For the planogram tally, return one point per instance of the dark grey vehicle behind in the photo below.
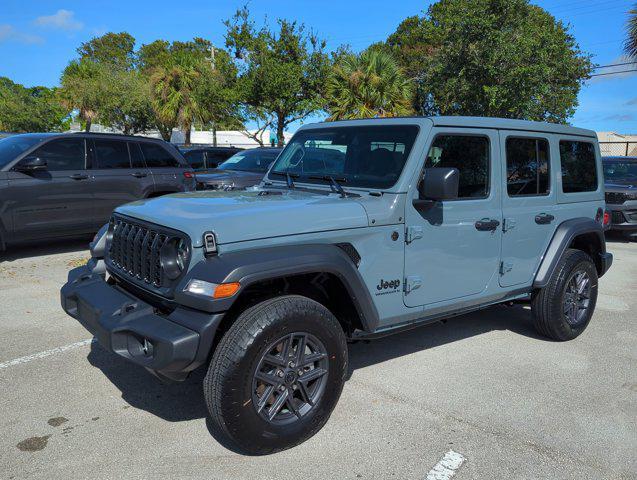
(620, 181)
(64, 185)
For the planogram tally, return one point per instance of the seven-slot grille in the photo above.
(617, 198)
(135, 250)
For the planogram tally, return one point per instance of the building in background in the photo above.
(617, 144)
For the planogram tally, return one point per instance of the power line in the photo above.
(614, 65)
(613, 73)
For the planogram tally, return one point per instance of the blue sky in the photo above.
(38, 38)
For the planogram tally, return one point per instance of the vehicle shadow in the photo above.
(49, 247)
(618, 237)
(176, 402)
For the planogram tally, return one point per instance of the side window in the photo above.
(156, 156)
(63, 154)
(136, 158)
(579, 169)
(527, 166)
(470, 155)
(111, 154)
(195, 159)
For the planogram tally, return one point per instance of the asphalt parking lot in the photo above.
(507, 403)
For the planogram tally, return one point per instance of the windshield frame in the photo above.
(37, 140)
(276, 177)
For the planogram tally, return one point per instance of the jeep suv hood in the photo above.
(249, 215)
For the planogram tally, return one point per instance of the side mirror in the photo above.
(31, 164)
(436, 185)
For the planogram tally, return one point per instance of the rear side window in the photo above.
(196, 158)
(137, 160)
(111, 154)
(157, 156)
(470, 155)
(527, 166)
(579, 169)
(63, 154)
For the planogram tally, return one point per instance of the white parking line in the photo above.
(46, 353)
(447, 467)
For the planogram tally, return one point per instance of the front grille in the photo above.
(135, 251)
(618, 217)
(616, 198)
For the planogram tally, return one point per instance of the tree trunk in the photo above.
(214, 134)
(279, 130)
(187, 136)
(87, 127)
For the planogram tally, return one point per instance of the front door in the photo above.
(453, 248)
(528, 204)
(56, 201)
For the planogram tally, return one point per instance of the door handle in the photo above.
(139, 175)
(544, 219)
(487, 224)
(78, 176)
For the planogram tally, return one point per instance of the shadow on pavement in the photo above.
(177, 402)
(47, 247)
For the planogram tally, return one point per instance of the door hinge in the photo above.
(413, 232)
(505, 267)
(508, 224)
(412, 282)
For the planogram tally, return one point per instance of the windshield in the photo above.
(250, 161)
(11, 147)
(367, 157)
(620, 171)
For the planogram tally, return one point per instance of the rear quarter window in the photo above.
(157, 156)
(579, 168)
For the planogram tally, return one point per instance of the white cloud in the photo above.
(9, 34)
(62, 20)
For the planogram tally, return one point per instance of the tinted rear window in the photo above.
(579, 170)
(195, 158)
(111, 154)
(527, 166)
(157, 156)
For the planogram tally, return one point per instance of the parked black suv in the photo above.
(206, 157)
(620, 177)
(61, 185)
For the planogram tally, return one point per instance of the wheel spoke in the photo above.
(264, 397)
(290, 403)
(285, 352)
(268, 378)
(312, 375)
(304, 393)
(309, 360)
(300, 350)
(274, 360)
(278, 404)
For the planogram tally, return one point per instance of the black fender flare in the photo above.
(255, 265)
(564, 235)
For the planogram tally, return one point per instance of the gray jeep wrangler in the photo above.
(359, 229)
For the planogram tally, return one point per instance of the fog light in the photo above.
(214, 290)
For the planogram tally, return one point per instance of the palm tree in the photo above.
(82, 89)
(630, 46)
(368, 85)
(173, 95)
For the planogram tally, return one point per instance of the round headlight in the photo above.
(174, 257)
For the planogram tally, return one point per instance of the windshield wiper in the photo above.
(288, 177)
(335, 186)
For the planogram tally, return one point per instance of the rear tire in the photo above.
(564, 307)
(259, 399)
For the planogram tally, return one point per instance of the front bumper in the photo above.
(623, 216)
(169, 346)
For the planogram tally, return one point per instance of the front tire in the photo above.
(276, 375)
(564, 307)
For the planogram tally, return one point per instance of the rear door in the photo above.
(528, 204)
(116, 178)
(167, 172)
(57, 201)
(453, 249)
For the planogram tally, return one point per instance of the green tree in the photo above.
(126, 105)
(82, 89)
(35, 109)
(368, 85)
(281, 73)
(630, 46)
(114, 49)
(504, 58)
